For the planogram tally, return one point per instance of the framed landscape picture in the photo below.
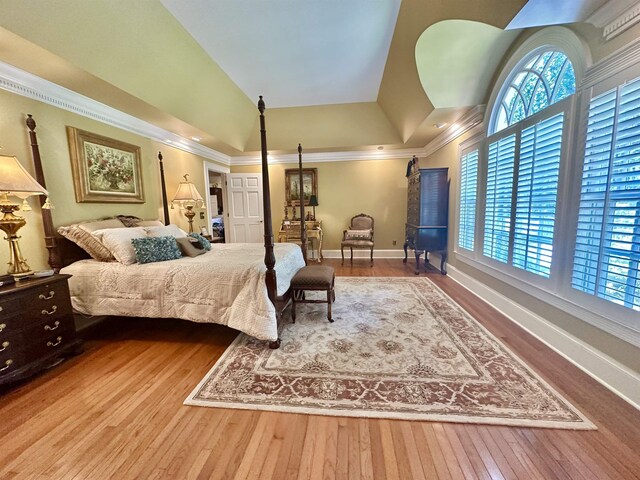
(292, 184)
(104, 170)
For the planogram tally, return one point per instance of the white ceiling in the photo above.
(554, 12)
(295, 52)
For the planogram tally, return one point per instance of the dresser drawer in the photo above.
(32, 304)
(48, 300)
(36, 326)
(11, 342)
(11, 361)
(11, 306)
(51, 325)
(9, 324)
(51, 343)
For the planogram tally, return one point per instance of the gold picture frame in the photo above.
(292, 185)
(104, 170)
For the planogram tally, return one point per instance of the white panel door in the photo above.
(245, 220)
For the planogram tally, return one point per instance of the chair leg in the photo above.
(351, 248)
(342, 253)
(293, 306)
(372, 256)
(329, 295)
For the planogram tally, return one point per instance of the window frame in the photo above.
(565, 106)
(474, 144)
(611, 72)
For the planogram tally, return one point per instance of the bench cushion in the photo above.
(319, 276)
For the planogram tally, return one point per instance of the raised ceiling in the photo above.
(195, 67)
(295, 52)
(456, 60)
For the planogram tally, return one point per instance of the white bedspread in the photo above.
(225, 285)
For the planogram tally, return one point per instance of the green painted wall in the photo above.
(54, 151)
(375, 187)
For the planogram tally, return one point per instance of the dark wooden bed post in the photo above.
(165, 204)
(303, 224)
(269, 256)
(55, 261)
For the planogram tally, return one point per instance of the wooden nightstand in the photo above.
(36, 326)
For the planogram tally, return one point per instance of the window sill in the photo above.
(604, 317)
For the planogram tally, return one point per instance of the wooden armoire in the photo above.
(427, 214)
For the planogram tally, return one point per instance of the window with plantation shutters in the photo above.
(497, 219)
(468, 196)
(536, 195)
(607, 252)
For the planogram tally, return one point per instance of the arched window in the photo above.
(542, 79)
(520, 164)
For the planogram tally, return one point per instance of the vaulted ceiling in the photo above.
(336, 74)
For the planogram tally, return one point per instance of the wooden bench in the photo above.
(313, 278)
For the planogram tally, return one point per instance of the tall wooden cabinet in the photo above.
(427, 214)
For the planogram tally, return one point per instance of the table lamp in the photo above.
(187, 197)
(16, 185)
(313, 201)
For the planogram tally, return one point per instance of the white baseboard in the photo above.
(362, 253)
(621, 380)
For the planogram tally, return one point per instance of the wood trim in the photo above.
(50, 237)
(303, 223)
(165, 203)
(269, 256)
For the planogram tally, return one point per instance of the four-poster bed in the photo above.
(161, 298)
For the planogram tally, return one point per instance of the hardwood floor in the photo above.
(116, 412)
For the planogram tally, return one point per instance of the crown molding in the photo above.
(616, 16)
(322, 157)
(466, 122)
(627, 56)
(31, 86)
(28, 85)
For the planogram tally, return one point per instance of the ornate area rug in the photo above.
(399, 348)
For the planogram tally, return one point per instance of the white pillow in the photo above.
(166, 231)
(94, 225)
(118, 241)
(149, 223)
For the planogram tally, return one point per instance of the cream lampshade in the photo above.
(16, 185)
(188, 197)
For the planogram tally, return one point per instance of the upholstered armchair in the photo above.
(358, 235)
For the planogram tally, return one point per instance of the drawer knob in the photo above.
(7, 364)
(1, 308)
(56, 324)
(2, 326)
(50, 312)
(42, 296)
(4, 346)
(54, 344)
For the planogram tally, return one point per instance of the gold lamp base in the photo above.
(10, 224)
(189, 213)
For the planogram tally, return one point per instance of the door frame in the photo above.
(222, 170)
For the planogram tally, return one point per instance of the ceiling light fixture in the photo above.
(196, 139)
(380, 147)
(440, 125)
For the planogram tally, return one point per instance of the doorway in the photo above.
(216, 208)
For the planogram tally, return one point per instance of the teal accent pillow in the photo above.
(206, 244)
(156, 249)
